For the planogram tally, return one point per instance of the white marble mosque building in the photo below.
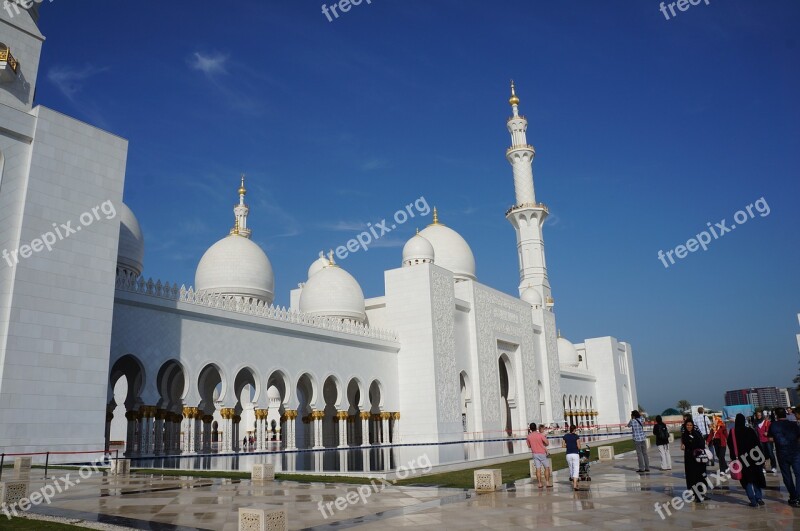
(93, 352)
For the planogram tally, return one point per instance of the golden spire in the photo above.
(242, 189)
(514, 100)
(435, 216)
(559, 332)
(330, 258)
(235, 229)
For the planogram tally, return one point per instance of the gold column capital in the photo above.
(341, 415)
(385, 415)
(290, 414)
(396, 415)
(364, 415)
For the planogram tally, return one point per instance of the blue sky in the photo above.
(645, 130)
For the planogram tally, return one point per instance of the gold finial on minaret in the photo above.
(514, 100)
(330, 258)
(242, 189)
(559, 332)
(235, 229)
(435, 216)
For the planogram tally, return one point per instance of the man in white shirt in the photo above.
(703, 424)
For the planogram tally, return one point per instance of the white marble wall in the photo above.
(58, 315)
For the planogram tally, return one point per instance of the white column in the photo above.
(342, 416)
(316, 419)
(201, 430)
(158, 432)
(364, 429)
(385, 428)
(396, 431)
(291, 416)
(130, 440)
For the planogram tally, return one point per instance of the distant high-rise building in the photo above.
(760, 397)
(739, 397)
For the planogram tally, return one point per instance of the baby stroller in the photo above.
(585, 454)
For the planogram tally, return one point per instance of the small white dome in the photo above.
(333, 292)
(236, 266)
(418, 250)
(451, 251)
(273, 393)
(130, 252)
(318, 265)
(567, 354)
(532, 296)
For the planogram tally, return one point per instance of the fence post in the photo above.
(46, 464)
(2, 460)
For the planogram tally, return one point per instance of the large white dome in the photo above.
(567, 354)
(130, 252)
(236, 266)
(451, 250)
(333, 292)
(418, 250)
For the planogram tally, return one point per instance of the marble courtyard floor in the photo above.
(617, 498)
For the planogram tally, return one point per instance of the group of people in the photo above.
(749, 447)
(539, 445)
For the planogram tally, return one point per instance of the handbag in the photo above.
(701, 456)
(735, 474)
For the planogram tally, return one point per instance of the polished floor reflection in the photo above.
(617, 498)
(358, 460)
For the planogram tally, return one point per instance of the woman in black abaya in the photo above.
(692, 444)
(747, 455)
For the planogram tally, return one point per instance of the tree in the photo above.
(684, 405)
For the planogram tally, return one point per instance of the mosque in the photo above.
(93, 353)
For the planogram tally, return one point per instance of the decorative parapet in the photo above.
(526, 147)
(127, 283)
(537, 206)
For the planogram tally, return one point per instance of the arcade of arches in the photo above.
(326, 416)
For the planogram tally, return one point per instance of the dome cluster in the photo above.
(237, 267)
(441, 245)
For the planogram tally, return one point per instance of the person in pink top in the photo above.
(537, 442)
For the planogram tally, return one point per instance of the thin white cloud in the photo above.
(70, 80)
(343, 226)
(210, 64)
(373, 164)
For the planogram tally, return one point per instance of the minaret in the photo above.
(526, 215)
(240, 211)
